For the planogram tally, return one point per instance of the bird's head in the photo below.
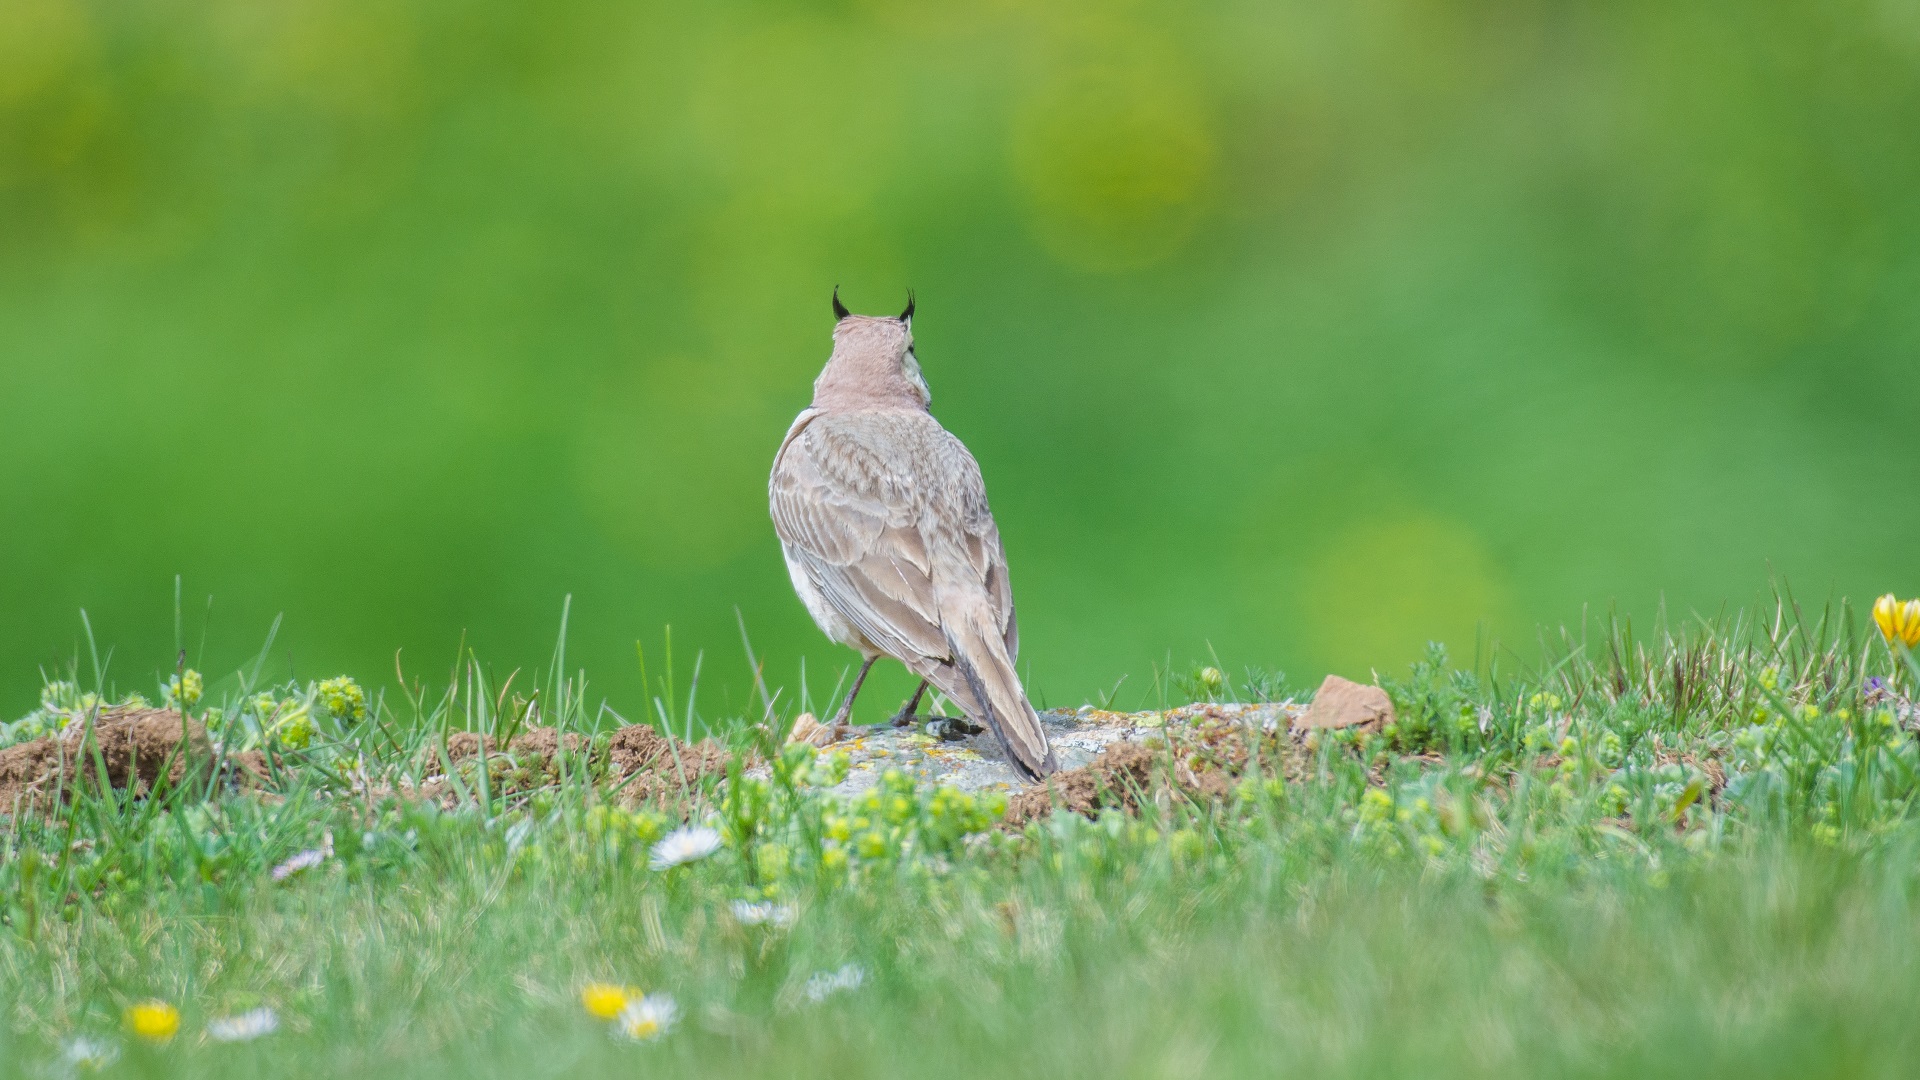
(872, 365)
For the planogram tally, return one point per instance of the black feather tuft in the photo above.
(839, 309)
(907, 315)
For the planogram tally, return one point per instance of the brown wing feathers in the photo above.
(887, 513)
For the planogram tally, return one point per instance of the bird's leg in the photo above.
(846, 707)
(905, 715)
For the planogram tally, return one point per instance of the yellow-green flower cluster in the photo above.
(1375, 821)
(62, 705)
(952, 814)
(1424, 819)
(602, 834)
(1252, 790)
(802, 766)
(1186, 846)
(644, 826)
(343, 698)
(788, 826)
(891, 817)
(293, 726)
(1114, 843)
(184, 690)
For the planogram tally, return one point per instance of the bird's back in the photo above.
(885, 514)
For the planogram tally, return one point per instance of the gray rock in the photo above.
(974, 762)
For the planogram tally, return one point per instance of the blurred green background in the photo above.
(1300, 332)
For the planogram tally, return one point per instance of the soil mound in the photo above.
(637, 760)
(462, 745)
(548, 742)
(540, 742)
(1120, 777)
(134, 745)
(530, 761)
(644, 760)
(1201, 761)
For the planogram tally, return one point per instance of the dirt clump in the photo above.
(1119, 777)
(645, 762)
(636, 748)
(30, 773)
(250, 768)
(540, 741)
(1215, 752)
(546, 740)
(133, 744)
(636, 759)
(531, 760)
(462, 745)
(1201, 762)
(138, 743)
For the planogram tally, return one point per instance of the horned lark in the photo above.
(883, 517)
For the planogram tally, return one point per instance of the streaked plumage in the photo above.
(883, 518)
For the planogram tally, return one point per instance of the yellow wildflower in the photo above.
(154, 1021)
(1897, 620)
(604, 1001)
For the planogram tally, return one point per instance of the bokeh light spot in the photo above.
(1377, 591)
(1114, 163)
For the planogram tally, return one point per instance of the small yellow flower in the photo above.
(604, 1001)
(154, 1021)
(1898, 620)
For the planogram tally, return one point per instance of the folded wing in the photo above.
(887, 516)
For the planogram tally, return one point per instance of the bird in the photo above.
(882, 516)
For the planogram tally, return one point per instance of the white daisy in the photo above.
(647, 1018)
(764, 913)
(245, 1027)
(89, 1055)
(306, 860)
(825, 984)
(685, 845)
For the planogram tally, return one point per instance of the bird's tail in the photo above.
(990, 690)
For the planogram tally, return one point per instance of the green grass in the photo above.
(1693, 852)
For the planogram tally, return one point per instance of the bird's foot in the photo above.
(952, 728)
